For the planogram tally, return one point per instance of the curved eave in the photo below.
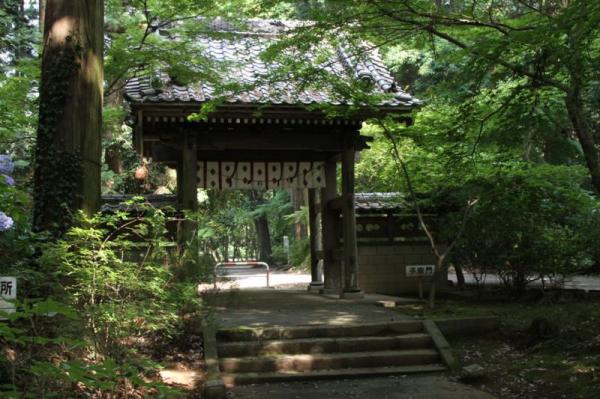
(179, 108)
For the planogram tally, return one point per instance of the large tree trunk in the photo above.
(298, 196)
(584, 132)
(460, 276)
(261, 226)
(67, 157)
(264, 238)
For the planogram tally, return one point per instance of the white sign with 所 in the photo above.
(8, 291)
(420, 270)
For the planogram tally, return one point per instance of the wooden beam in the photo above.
(291, 137)
(138, 134)
(350, 289)
(189, 168)
(281, 140)
(264, 156)
(259, 111)
(330, 235)
(187, 186)
(313, 227)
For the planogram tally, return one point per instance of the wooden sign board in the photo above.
(420, 270)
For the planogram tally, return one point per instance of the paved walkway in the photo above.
(270, 307)
(587, 283)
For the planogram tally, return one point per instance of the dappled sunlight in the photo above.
(62, 28)
(184, 378)
(92, 68)
(300, 362)
(268, 307)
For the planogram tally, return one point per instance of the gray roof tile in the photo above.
(240, 56)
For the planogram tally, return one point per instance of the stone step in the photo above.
(309, 362)
(319, 331)
(232, 380)
(324, 345)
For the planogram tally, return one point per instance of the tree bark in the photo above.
(67, 155)
(298, 201)
(575, 108)
(261, 226)
(460, 276)
(113, 160)
(264, 238)
(42, 14)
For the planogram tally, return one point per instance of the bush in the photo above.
(300, 253)
(117, 296)
(529, 223)
(113, 270)
(279, 255)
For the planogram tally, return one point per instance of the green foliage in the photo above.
(39, 330)
(300, 253)
(115, 288)
(530, 222)
(113, 268)
(226, 222)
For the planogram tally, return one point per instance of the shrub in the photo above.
(300, 252)
(529, 223)
(112, 268)
(117, 294)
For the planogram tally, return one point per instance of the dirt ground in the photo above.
(562, 361)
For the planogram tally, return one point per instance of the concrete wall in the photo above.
(382, 268)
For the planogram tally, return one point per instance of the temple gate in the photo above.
(265, 138)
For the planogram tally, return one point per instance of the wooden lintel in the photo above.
(259, 111)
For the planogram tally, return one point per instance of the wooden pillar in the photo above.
(138, 134)
(316, 273)
(350, 289)
(329, 233)
(189, 170)
(180, 182)
(187, 190)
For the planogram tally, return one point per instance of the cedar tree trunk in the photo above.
(264, 238)
(67, 157)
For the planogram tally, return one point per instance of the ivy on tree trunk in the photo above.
(67, 155)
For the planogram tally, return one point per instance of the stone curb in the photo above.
(214, 387)
(440, 343)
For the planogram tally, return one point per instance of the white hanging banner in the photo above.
(260, 175)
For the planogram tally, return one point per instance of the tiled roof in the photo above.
(370, 202)
(365, 202)
(240, 54)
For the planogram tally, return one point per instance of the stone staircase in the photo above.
(253, 355)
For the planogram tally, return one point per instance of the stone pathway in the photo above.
(587, 283)
(269, 307)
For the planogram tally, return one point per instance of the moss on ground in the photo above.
(520, 364)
